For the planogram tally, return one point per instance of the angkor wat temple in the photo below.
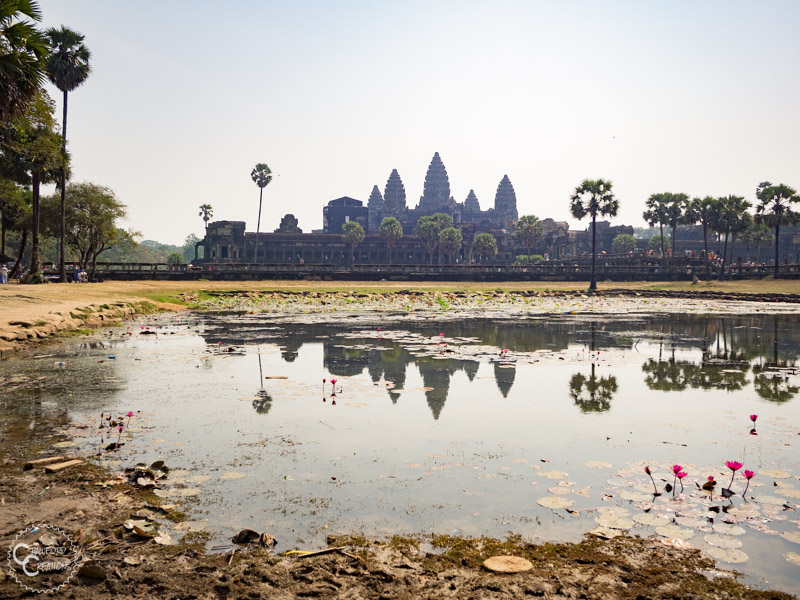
(227, 241)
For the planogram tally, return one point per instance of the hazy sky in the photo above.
(187, 96)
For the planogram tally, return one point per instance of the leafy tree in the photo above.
(429, 228)
(261, 175)
(92, 214)
(67, 68)
(289, 224)
(623, 243)
(32, 154)
(188, 247)
(656, 214)
(593, 196)
(758, 234)
(522, 260)
(23, 54)
(12, 206)
(528, 230)
(775, 209)
(390, 230)
(706, 212)
(206, 211)
(175, 259)
(450, 240)
(353, 234)
(657, 242)
(731, 220)
(484, 245)
(675, 210)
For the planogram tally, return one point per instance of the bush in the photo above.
(525, 259)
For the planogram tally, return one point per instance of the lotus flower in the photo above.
(655, 488)
(748, 475)
(733, 465)
(680, 477)
(119, 435)
(754, 418)
(129, 415)
(676, 469)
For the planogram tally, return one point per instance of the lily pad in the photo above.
(728, 529)
(634, 496)
(792, 536)
(187, 492)
(598, 464)
(232, 475)
(554, 502)
(728, 555)
(650, 519)
(673, 531)
(507, 564)
(790, 493)
(614, 511)
(560, 490)
(612, 522)
(197, 478)
(67, 444)
(774, 500)
(605, 532)
(691, 523)
(552, 474)
(793, 557)
(723, 541)
(777, 474)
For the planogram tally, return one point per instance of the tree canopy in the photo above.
(484, 245)
(23, 56)
(528, 230)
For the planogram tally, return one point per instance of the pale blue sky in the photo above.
(187, 96)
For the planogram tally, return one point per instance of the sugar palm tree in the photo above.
(775, 209)
(732, 220)
(261, 175)
(591, 197)
(206, 211)
(390, 230)
(450, 240)
(656, 214)
(67, 67)
(528, 230)
(23, 56)
(353, 235)
(705, 211)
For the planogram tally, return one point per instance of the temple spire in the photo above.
(471, 204)
(436, 191)
(376, 208)
(505, 203)
(394, 196)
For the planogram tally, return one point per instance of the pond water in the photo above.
(540, 427)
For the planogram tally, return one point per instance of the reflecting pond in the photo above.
(540, 427)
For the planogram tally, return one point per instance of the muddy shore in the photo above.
(93, 507)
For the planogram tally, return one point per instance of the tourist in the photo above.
(3, 274)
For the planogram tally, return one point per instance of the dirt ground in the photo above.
(119, 563)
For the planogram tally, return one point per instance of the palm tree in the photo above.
(656, 214)
(591, 197)
(675, 211)
(731, 221)
(353, 234)
(206, 211)
(484, 245)
(23, 56)
(450, 240)
(703, 210)
(67, 67)
(262, 175)
(390, 230)
(759, 234)
(528, 230)
(776, 209)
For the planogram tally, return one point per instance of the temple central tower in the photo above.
(436, 191)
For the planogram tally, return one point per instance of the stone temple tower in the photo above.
(394, 196)
(436, 191)
(505, 203)
(375, 206)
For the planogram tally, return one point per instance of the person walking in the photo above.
(3, 274)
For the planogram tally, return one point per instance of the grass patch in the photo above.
(67, 333)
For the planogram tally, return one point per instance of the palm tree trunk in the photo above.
(661, 233)
(258, 223)
(672, 258)
(724, 256)
(593, 284)
(62, 268)
(705, 246)
(23, 242)
(777, 234)
(36, 263)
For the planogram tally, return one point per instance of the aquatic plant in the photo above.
(333, 386)
(753, 418)
(747, 475)
(129, 415)
(733, 465)
(119, 436)
(680, 477)
(655, 488)
(675, 470)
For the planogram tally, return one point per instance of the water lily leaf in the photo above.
(645, 488)
(723, 541)
(728, 555)
(673, 531)
(691, 523)
(634, 496)
(777, 474)
(187, 492)
(792, 536)
(67, 444)
(598, 464)
(560, 490)
(159, 466)
(727, 493)
(552, 474)
(232, 475)
(198, 478)
(774, 500)
(728, 529)
(554, 502)
(650, 519)
(190, 526)
(790, 493)
(605, 532)
(614, 511)
(613, 522)
(793, 557)
(164, 539)
(145, 482)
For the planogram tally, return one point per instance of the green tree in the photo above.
(706, 212)
(450, 240)
(206, 211)
(623, 243)
(428, 229)
(12, 205)
(67, 68)
(758, 234)
(32, 154)
(656, 214)
(528, 230)
(92, 215)
(731, 220)
(675, 210)
(657, 242)
(390, 230)
(188, 247)
(261, 175)
(593, 197)
(23, 54)
(484, 245)
(775, 208)
(353, 234)
(175, 259)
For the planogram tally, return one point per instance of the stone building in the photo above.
(340, 211)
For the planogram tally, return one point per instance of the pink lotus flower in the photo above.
(733, 465)
(130, 413)
(677, 469)
(748, 475)
(655, 487)
(647, 470)
(120, 435)
(680, 477)
(753, 418)
(711, 479)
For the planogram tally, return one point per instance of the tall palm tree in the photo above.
(390, 230)
(262, 175)
(676, 213)
(656, 214)
(731, 221)
(206, 211)
(67, 67)
(705, 211)
(23, 56)
(775, 209)
(591, 197)
(528, 230)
